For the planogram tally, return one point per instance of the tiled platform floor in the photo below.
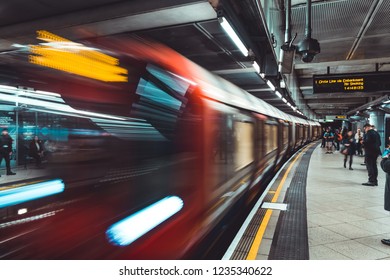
(346, 220)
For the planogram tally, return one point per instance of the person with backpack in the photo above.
(372, 143)
(329, 137)
(337, 139)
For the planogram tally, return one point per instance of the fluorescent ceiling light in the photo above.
(271, 86)
(262, 75)
(232, 34)
(256, 66)
(8, 87)
(51, 105)
(278, 94)
(284, 100)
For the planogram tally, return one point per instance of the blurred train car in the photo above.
(148, 167)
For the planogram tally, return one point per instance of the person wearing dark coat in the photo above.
(350, 145)
(385, 165)
(36, 150)
(372, 143)
(6, 150)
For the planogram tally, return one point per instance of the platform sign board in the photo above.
(339, 117)
(329, 118)
(354, 82)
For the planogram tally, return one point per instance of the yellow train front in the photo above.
(147, 155)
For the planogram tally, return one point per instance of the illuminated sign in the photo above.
(354, 82)
(62, 54)
(340, 117)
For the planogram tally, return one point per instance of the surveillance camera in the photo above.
(308, 48)
(307, 57)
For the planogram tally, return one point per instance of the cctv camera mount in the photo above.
(308, 48)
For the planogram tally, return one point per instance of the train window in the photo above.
(271, 137)
(175, 82)
(161, 99)
(231, 142)
(300, 131)
(285, 135)
(243, 153)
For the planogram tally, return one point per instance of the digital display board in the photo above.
(354, 82)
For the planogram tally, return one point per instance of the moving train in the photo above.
(146, 153)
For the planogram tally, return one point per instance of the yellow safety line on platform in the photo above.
(263, 226)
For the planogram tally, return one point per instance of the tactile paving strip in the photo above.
(244, 245)
(290, 240)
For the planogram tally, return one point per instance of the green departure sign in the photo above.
(354, 82)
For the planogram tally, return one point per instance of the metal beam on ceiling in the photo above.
(342, 95)
(374, 103)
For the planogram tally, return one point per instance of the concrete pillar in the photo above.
(377, 118)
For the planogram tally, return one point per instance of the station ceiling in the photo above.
(354, 36)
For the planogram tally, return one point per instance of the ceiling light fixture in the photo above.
(271, 85)
(256, 66)
(233, 35)
(282, 83)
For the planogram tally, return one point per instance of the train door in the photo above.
(290, 137)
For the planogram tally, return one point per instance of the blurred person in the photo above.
(6, 150)
(323, 138)
(388, 142)
(329, 136)
(385, 165)
(363, 150)
(344, 132)
(338, 138)
(372, 143)
(359, 142)
(36, 151)
(49, 147)
(349, 149)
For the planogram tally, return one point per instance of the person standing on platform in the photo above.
(6, 150)
(323, 138)
(359, 141)
(36, 151)
(338, 138)
(350, 147)
(329, 136)
(385, 165)
(372, 143)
